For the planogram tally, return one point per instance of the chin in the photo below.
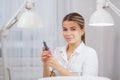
(70, 42)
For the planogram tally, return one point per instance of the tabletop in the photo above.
(75, 78)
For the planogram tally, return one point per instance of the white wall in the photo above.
(112, 43)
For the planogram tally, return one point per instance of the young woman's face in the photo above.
(72, 32)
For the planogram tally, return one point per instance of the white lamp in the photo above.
(101, 17)
(28, 19)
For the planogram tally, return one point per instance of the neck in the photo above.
(72, 47)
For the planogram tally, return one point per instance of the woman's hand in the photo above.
(44, 55)
(48, 58)
(52, 62)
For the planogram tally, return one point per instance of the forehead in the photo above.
(69, 24)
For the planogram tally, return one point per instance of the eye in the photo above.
(73, 28)
(64, 29)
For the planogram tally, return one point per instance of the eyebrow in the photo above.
(73, 27)
(70, 27)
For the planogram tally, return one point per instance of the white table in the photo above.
(75, 78)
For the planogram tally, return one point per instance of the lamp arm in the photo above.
(9, 24)
(27, 4)
(114, 8)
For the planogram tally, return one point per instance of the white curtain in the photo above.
(24, 46)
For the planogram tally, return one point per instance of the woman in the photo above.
(75, 58)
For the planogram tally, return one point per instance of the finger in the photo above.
(44, 52)
(50, 60)
(51, 65)
(44, 58)
(49, 55)
(43, 48)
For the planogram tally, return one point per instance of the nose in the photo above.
(68, 32)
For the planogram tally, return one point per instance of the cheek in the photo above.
(63, 34)
(78, 35)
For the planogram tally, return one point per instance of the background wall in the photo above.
(105, 40)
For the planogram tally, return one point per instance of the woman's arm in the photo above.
(90, 66)
(52, 62)
(63, 71)
(44, 57)
(46, 71)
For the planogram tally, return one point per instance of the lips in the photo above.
(68, 39)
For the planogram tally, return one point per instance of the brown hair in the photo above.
(78, 19)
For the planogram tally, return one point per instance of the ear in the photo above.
(82, 31)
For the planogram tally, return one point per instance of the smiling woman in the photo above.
(75, 58)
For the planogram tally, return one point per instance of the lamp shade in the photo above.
(101, 18)
(29, 19)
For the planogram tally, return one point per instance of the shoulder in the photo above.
(90, 55)
(90, 51)
(84, 49)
